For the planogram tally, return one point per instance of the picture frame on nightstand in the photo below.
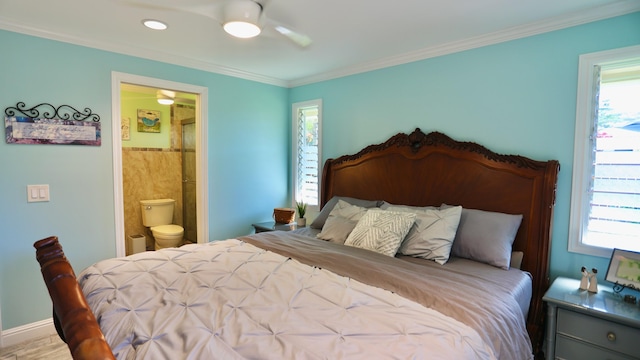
(624, 270)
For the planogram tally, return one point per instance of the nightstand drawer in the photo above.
(569, 349)
(609, 335)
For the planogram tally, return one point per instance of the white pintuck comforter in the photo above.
(233, 300)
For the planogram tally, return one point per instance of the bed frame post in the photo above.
(541, 281)
(71, 313)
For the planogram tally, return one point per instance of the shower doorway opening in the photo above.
(189, 198)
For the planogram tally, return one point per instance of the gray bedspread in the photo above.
(302, 299)
(490, 300)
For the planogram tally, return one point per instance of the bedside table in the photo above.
(273, 226)
(584, 325)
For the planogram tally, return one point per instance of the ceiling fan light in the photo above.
(241, 18)
(241, 29)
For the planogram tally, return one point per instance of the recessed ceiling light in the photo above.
(154, 24)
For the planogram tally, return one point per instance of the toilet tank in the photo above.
(157, 212)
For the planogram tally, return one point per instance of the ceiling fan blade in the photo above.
(207, 10)
(299, 39)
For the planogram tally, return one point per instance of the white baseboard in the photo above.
(27, 332)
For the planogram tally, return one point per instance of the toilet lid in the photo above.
(167, 229)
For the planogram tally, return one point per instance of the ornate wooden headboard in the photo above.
(431, 169)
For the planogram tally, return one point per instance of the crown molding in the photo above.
(149, 54)
(600, 13)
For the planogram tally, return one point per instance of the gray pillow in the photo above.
(486, 236)
(319, 221)
(341, 221)
(381, 231)
(386, 205)
(431, 237)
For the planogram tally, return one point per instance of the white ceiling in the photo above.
(349, 36)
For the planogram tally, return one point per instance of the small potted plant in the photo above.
(302, 210)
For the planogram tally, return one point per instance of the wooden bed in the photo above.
(414, 169)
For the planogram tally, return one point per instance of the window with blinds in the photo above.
(306, 152)
(606, 184)
(614, 216)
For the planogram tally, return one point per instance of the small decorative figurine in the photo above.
(593, 281)
(584, 283)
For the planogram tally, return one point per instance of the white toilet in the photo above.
(158, 216)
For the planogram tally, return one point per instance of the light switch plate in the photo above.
(37, 193)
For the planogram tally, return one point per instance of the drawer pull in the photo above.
(611, 336)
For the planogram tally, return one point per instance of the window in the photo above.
(605, 198)
(307, 140)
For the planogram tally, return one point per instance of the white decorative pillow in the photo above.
(431, 237)
(381, 231)
(341, 221)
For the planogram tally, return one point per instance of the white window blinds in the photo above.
(614, 206)
(307, 124)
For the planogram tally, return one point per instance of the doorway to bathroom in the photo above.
(160, 160)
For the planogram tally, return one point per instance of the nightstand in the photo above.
(584, 325)
(273, 226)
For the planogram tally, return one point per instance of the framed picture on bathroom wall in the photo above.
(148, 121)
(125, 128)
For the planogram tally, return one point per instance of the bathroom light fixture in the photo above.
(241, 18)
(165, 97)
(154, 24)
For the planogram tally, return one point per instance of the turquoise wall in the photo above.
(517, 97)
(248, 134)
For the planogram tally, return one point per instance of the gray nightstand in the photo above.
(273, 226)
(584, 325)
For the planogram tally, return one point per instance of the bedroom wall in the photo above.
(247, 160)
(517, 97)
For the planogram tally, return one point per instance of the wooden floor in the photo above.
(45, 348)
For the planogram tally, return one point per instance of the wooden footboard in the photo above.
(75, 322)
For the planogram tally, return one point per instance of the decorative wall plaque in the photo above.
(47, 124)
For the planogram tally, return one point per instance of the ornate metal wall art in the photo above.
(48, 124)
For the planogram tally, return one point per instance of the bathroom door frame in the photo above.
(202, 192)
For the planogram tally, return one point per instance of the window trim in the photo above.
(582, 157)
(294, 150)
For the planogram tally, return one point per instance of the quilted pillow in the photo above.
(341, 221)
(431, 237)
(322, 217)
(381, 231)
(486, 236)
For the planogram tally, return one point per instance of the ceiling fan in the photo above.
(239, 18)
